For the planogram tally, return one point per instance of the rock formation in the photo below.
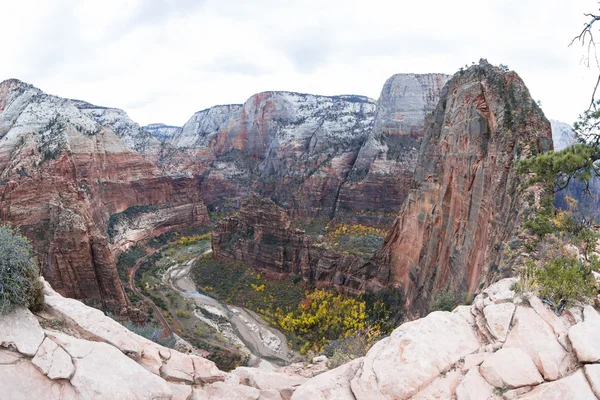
(466, 199)
(71, 351)
(262, 236)
(80, 195)
(502, 347)
(465, 202)
(381, 175)
(317, 156)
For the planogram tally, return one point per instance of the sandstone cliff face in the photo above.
(262, 237)
(63, 175)
(317, 156)
(380, 177)
(295, 148)
(465, 200)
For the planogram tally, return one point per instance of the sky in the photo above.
(163, 60)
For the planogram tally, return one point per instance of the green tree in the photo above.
(19, 273)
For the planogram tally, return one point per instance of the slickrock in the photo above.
(440, 356)
(180, 391)
(534, 336)
(23, 381)
(53, 361)
(584, 336)
(592, 373)
(330, 385)
(474, 387)
(498, 317)
(413, 356)
(224, 391)
(510, 368)
(267, 380)
(20, 329)
(178, 368)
(102, 371)
(573, 387)
(443, 387)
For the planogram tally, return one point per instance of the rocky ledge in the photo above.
(72, 351)
(503, 346)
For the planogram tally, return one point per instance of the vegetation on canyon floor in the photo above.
(19, 273)
(314, 320)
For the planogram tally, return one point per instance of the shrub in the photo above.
(324, 316)
(342, 351)
(446, 300)
(564, 278)
(19, 273)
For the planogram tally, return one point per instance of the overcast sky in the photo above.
(162, 60)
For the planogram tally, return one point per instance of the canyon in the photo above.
(433, 161)
(465, 201)
(85, 182)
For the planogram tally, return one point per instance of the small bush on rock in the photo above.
(566, 279)
(19, 273)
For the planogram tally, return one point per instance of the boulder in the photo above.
(178, 368)
(584, 337)
(557, 324)
(205, 371)
(103, 372)
(535, 337)
(21, 330)
(510, 368)
(498, 318)
(413, 356)
(266, 380)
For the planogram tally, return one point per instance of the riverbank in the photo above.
(265, 345)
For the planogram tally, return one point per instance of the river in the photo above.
(266, 346)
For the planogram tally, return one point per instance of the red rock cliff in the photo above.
(62, 177)
(465, 200)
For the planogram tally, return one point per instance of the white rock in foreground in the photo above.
(413, 356)
(21, 330)
(510, 368)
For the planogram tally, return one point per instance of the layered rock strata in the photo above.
(262, 237)
(80, 195)
(317, 156)
(466, 199)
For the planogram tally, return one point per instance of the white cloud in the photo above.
(161, 60)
